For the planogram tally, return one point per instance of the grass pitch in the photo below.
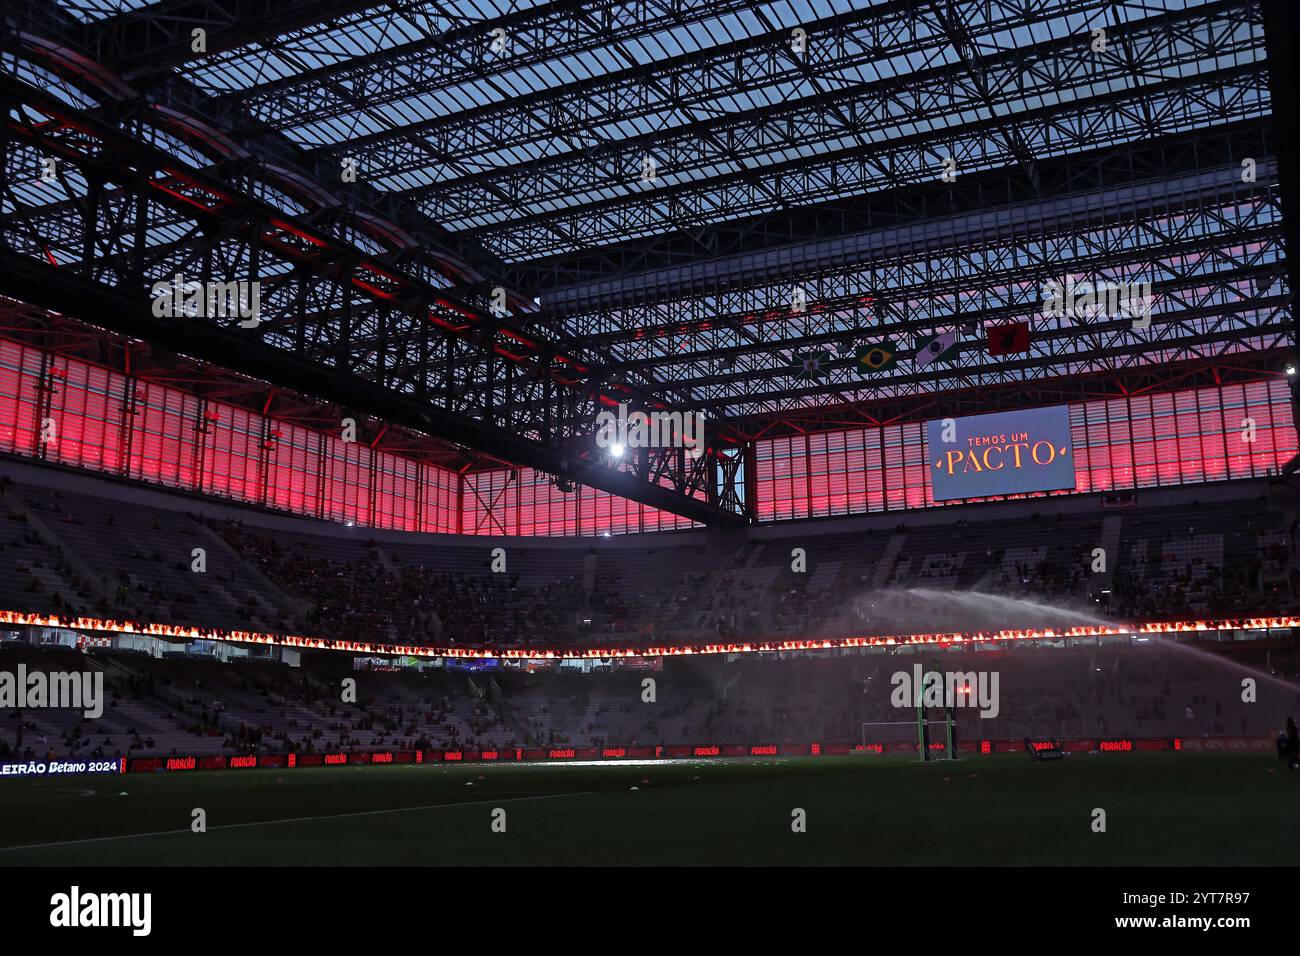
(1161, 809)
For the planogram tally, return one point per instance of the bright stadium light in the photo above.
(616, 451)
(1290, 368)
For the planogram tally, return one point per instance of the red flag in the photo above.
(1008, 339)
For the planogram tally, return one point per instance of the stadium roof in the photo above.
(679, 199)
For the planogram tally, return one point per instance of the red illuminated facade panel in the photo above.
(164, 436)
(297, 454)
(348, 472)
(439, 499)
(1147, 441)
(87, 413)
(108, 422)
(232, 459)
(20, 369)
(542, 509)
(526, 502)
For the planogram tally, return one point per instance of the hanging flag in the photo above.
(810, 365)
(876, 358)
(938, 348)
(1008, 339)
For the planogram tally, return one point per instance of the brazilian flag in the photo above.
(810, 365)
(876, 358)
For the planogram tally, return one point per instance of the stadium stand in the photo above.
(181, 704)
(80, 547)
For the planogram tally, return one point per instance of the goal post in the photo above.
(929, 727)
(936, 737)
(943, 726)
(930, 733)
(918, 735)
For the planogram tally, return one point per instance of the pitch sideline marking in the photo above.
(268, 823)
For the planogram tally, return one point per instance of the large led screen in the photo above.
(1004, 453)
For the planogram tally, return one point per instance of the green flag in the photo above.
(876, 358)
(810, 365)
(943, 347)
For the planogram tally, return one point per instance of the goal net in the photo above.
(909, 736)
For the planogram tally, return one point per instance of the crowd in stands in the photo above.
(74, 553)
(187, 706)
(183, 705)
(381, 596)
